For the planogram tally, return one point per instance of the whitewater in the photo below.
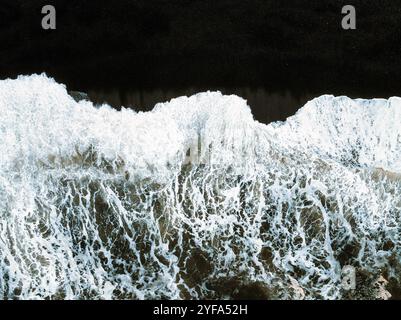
(195, 199)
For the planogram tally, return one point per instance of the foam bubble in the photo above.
(195, 199)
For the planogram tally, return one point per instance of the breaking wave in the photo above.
(196, 199)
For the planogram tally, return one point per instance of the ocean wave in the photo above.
(196, 199)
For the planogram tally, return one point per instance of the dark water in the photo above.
(266, 105)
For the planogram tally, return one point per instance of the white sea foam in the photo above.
(98, 203)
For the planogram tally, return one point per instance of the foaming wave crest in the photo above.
(196, 199)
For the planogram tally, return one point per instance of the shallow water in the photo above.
(196, 199)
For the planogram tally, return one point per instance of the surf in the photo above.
(195, 199)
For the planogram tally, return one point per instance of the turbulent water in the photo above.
(196, 199)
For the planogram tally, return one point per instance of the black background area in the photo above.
(295, 46)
